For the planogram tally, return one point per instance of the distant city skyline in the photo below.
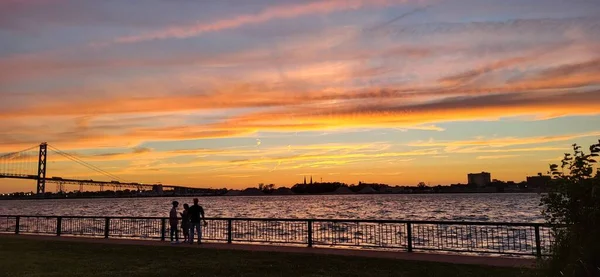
(236, 93)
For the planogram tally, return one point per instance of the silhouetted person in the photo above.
(173, 222)
(185, 222)
(196, 214)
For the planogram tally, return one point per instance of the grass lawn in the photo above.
(26, 257)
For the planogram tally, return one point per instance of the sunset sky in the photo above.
(235, 93)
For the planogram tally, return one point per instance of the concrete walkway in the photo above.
(429, 257)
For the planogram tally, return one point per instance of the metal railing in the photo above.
(454, 236)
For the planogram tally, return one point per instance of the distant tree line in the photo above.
(421, 187)
(330, 187)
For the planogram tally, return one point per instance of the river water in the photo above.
(509, 207)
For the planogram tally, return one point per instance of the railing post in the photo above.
(163, 228)
(106, 227)
(229, 228)
(58, 225)
(17, 221)
(409, 237)
(310, 233)
(538, 245)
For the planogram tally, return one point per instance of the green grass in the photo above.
(28, 257)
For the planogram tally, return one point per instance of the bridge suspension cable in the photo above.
(24, 150)
(85, 164)
(20, 163)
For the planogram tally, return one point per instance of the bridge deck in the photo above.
(97, 183)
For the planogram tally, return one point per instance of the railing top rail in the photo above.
(402, 221)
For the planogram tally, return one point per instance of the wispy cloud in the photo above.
(236, 175)
(490, 157)
(479, 150)
(504, 141)
(553, 160)
(270, 13)
(465, 77)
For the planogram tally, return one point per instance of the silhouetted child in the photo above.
(185, 222)
(173, 222)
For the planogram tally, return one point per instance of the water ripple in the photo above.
(468, 207)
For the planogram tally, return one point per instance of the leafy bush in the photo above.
(573, 206)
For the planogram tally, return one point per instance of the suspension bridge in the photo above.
(31, 164)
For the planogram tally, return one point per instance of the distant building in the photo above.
(539, 181)
(252, 192)
(158, 189)
(343, 190)
(395, 189)
(479, 179)
(367, 190)
(233, 192)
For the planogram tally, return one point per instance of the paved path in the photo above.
(443, 258)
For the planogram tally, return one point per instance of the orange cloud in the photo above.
(123, 138)
(396, 115)
(255, 98)
(347, 114)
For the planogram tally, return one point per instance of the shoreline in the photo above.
(34, 197)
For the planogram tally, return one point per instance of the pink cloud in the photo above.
(270, 13)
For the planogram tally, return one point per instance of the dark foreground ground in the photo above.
(27, 257)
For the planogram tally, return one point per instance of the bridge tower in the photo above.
(41, 176)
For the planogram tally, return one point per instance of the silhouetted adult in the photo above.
(185, 222)
(196, 215)
(173, 222)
